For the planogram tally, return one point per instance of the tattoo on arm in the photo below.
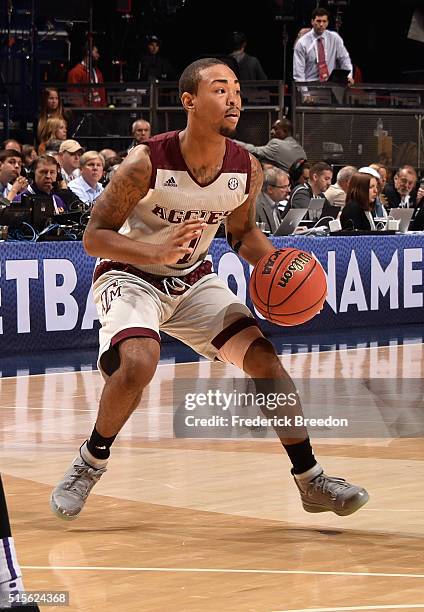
(256, 180)
(129, 184)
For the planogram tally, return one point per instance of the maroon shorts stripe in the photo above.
(233, 329)
(134, 332)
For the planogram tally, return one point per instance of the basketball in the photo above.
(288, 286)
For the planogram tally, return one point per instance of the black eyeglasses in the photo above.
(280, 186)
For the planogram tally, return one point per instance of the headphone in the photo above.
(296, 169)
(30, 175)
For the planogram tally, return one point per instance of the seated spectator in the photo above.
(51, 108)
(319, 180)
(70, 152)
(87, 186)
(249, 67)
(383, 172)
(107, 154)
(360, 197)
(29, 154)
(13, 144)
(336, 194)
(378, 209)
(44, 182)
(95, 96)
(52, 148)
(271, 203)
(299, 172)
(11, 181)
(111, 166)
(403, 192)
(153, 66)
(56, 129)
(282, 150)
(140, 131)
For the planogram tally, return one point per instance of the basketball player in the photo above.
(10, 573)
(152, 226)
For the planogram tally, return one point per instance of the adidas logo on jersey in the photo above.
(171, 182)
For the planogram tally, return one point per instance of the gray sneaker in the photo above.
(69, 497)
(330, 494)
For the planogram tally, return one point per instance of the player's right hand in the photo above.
(177, 245)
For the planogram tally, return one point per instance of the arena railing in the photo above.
(360, 124)
(110, 125)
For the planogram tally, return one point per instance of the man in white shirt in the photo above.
(87, 186)
(70, 152)
(319, 52)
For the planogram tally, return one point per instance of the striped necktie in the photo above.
(322, 64)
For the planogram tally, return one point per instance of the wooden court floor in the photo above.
(217, 526)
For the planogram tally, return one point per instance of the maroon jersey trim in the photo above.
(165, 153)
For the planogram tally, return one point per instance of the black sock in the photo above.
(99, 446)
(301, 455)
(4, 516)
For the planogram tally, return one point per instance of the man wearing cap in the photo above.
(70, 152)
(153, 66)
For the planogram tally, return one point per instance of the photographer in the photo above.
(44, 176)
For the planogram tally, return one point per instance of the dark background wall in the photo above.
(374, 32)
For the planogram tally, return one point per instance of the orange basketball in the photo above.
(288, 286)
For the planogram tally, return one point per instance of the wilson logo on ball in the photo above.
(298, 264)
(288, 286)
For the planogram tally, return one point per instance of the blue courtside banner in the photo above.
(46, 301)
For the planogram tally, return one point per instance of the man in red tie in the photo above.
(319, 51)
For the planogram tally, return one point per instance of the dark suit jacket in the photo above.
(394, 198)
(264, 213)
(353, 217)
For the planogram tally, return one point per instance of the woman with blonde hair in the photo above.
(51, 107)
(55, 128)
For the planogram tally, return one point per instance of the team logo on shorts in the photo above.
(111, 292)
(233, 183)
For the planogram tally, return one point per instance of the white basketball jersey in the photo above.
(175, 196)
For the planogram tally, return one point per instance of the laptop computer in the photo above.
(315, 208)
(404, 215)
(43, 211)
(68, 217)
(417, 223)
(290, 221)
(338, 76)
(15, 214)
